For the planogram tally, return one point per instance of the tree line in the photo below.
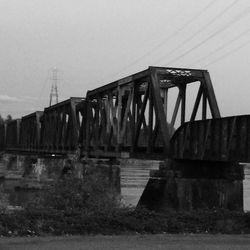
(5, 120)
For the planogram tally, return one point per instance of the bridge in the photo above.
(135, 117)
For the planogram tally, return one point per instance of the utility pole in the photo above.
(54, 92)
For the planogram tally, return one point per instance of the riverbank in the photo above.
(122, 221)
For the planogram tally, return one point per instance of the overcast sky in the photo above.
(94, 42)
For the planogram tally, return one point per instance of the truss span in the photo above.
(136, 115)
(224, 139)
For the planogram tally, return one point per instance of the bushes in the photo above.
(59, 222)
(90, 206)
(4, 201)
(73, 195)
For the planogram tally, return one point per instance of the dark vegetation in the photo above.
(5, 120)
(88, 206)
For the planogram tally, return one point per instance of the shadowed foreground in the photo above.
(135, 242)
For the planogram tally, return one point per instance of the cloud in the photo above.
(9, 99)
(29, 98)
(13, 99)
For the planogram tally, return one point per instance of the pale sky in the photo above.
(94, 42)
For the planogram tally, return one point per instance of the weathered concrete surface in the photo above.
(135, 242)
(182, 186)
(24, 177)
(189, 194)
(190, 185)
(246, 187)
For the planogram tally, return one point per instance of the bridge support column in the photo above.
(108, 169)
(22, 177)
(191, 185)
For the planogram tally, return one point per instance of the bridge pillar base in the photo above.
(23, 177)
(191, 185)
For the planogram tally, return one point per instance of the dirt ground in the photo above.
(133, 242)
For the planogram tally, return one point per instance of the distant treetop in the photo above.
(8, 119)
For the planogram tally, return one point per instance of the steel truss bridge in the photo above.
(135, 116)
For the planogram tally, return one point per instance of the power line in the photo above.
(228, 53)
(219, 15)
(175, 33)
(222, 46)
(226, 26)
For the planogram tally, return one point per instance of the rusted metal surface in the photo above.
(225, 139)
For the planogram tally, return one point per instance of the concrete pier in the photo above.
(190, 185)
(179, 185)
(24, 177)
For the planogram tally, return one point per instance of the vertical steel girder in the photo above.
(131, 114)
(81, 120)
(59, 127)
(12, 134)
(30, 131)
(2, 136)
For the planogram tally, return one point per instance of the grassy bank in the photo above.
(119, 221)
(90, 206)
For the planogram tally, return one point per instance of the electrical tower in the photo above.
(54, 92)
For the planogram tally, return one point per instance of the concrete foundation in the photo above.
(24, 177)
(178, 185)
(190, 185)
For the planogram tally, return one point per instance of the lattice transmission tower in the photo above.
(54, 89)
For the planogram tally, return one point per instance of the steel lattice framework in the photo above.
(130, 115)
(29, 138)
(135, 115)
(59, 127)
